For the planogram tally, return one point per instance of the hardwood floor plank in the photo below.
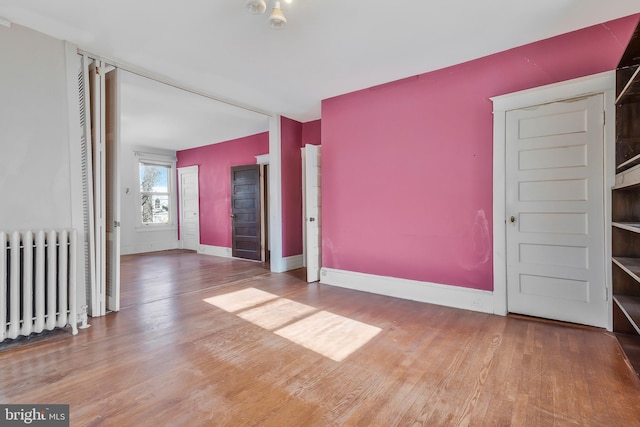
(171, 358)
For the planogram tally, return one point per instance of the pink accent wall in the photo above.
(294, 135)
(214, 180)
(311, 133)
(407, 166)
(291, 137)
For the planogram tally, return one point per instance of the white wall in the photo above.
(40, 171)
(35, 182)
(133, 239)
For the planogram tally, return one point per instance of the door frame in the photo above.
(602, 83)
(277, 261)
(264, 160)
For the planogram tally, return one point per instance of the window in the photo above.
(156, 193)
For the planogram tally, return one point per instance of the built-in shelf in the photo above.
(631, 346)
(634, 227)
(631, 162)
(630, 306)
(628, 178)
(630, 265)
(625, 205)
(631, 90)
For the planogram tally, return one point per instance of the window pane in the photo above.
(154, 178)
(155, 209)
(154, 184)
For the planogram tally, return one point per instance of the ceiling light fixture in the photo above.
(277, 20)
(256, 7)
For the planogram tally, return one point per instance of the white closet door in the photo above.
(555, 232)
(313, 212)
(87, 186)
(189, 208)
(97, 120)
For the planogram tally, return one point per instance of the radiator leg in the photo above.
(73, 297)
(83, 317)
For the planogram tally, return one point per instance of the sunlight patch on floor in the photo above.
(275, 314)
(240, 300)
(331, 335)
(328, 334)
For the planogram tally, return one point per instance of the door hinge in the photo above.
(606, 294)
(116, 223)
(604, 118)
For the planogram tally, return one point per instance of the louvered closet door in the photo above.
(97, 122)
(101, 165)
(87, 187)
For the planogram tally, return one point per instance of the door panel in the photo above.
(245, 212)
(555, 225)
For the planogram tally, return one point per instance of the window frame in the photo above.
(170, 164)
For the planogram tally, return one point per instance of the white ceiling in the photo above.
(154, 114)
(328, 48)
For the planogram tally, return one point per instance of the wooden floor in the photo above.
(170, 358)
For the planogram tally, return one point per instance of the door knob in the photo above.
(233, 215)
(512, 219)
(312, 219)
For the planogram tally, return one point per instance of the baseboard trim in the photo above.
(148, 247)
(433, 293)
(293, 262)
(220, 251)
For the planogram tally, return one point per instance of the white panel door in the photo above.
(555, 211)
(312, 210)
(189, 208)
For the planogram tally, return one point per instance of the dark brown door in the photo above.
(245, 211)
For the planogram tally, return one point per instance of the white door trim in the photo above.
(599, 83)
(264, 160)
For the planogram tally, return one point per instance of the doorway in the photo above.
(265, 254)
(602, 85)
(146, 128)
